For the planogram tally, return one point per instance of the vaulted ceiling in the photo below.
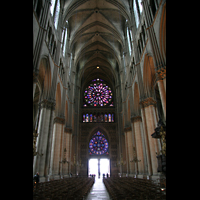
(96, 30)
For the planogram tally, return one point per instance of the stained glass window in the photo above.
(101, 116)
(98, 144)
(109, 117)
(83, 118)
(87, 118)
(98, 94)
(95, 118)
(90, 117)
(112, 117)
(105, 118)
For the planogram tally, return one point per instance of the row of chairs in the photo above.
(128, 188)
(63, 189)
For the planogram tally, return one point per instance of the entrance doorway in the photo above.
(93, 167)
(105, 166)
(96, 166)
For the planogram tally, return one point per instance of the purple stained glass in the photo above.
(98, 144)
(98, 94)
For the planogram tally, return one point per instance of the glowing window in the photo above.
(83, 118)
(136, 13)
(105, 118)
(112, 117)
(57, 14)
(52, 6)
(109, 117)
(90, 117)
(87, 118)
(98, 144)
(98, 94)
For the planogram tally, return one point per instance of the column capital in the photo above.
(59, 120)
(48, 104)
(161, 73)
(147, 102)
(136, 118)
(126, 129)
(68, 130)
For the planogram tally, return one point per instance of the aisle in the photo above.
(98, 191)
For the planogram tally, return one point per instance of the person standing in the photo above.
(36, 178)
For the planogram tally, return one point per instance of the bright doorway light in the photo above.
(93, 166)
(105, 166)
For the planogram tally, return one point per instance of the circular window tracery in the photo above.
(98, 94)
(98, 145)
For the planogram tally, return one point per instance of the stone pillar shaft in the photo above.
(149, 105)
(40, 162)
(57, 147)
(136, 121)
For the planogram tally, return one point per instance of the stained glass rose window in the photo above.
(98, 144)
(98, 94)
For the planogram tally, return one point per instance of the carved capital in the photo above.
(48, 104)
(158, 77)
(161, 73)
(136, 119)
(59, 120)
(126, 129)
(147, 102)
(68, 130)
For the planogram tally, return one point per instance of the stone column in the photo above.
(147, 158)
(161, 80)
(40, 163)
(136, 122)
(49, 145)
(149, 105)
(57, 146)
(67, 145)
(127, 157)
(129, 153)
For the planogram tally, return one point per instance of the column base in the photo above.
(57, 177)
(42, 179)
(66, 176)
(140, 176)
(156, 177)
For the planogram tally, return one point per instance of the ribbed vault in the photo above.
(96, 31)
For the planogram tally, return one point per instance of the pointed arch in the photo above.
(97, 128)
(149, 77)
(44, 77)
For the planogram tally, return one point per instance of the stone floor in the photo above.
(98, 191)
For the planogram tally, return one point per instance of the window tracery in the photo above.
(98, 94)
(98, 145)
(93, 117)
